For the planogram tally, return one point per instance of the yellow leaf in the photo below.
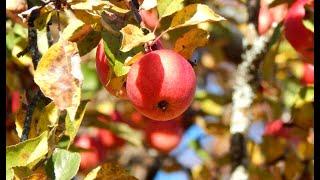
(134, 59)
(211, 107)
(73, 120)
(76, 31)
(194, 14)
(305, 150)
(59, 75)
(133, 36)
(191, 40)
(49, 117)
(109, 171)
(273, 147)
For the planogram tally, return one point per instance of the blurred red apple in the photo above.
(15, 101)
(149, 18)
(276, 128)
(95, 154)
(308, 74)
(296, 33)
(108, 139)
(164, 136)
(161, 85)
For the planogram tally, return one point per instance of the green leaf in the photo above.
(268, 66)
(133, 36)
(27, 153)
(115, 57)
(194, 14)
(291, 92)
(73, 124)
(309, 24)
(66, 164)
(109, 171)
(211, 107)
(88, 43)
(168, 7)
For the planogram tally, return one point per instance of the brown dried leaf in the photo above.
(109, 171)
(59, 75)
(191, 40)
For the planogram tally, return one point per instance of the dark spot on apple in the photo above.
(163, 105)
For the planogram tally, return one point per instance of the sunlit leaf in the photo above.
(73, 122)
(189, 41)
(49, 117)
(76, 31)
(308, 24)
(133, 36)
(66, 164)
(27, 153)
(194, 14)
(115, 57)
(147, 5)
(168, 7)
(109, 171)
(59, 75)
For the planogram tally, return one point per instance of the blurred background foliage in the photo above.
(279, 139)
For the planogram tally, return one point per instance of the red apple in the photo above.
(94, 155)
(265, 18)
(164, 135)
(104, 73)
(15, 101)
(308, 74)
(296, 33)
(269, 15)
(161, 85)
(108, 139)
(149, 18)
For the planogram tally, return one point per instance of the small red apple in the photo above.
(276, 128)
(265, 18)
(267, 15)
(108, 139)
(104, 73)
(296, 33)
(15, 101)
(164, 135)
(308, 74)
(149, 18)
(161, 85)
(93, 156)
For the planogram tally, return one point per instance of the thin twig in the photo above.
(28, 117)
(49, 35)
